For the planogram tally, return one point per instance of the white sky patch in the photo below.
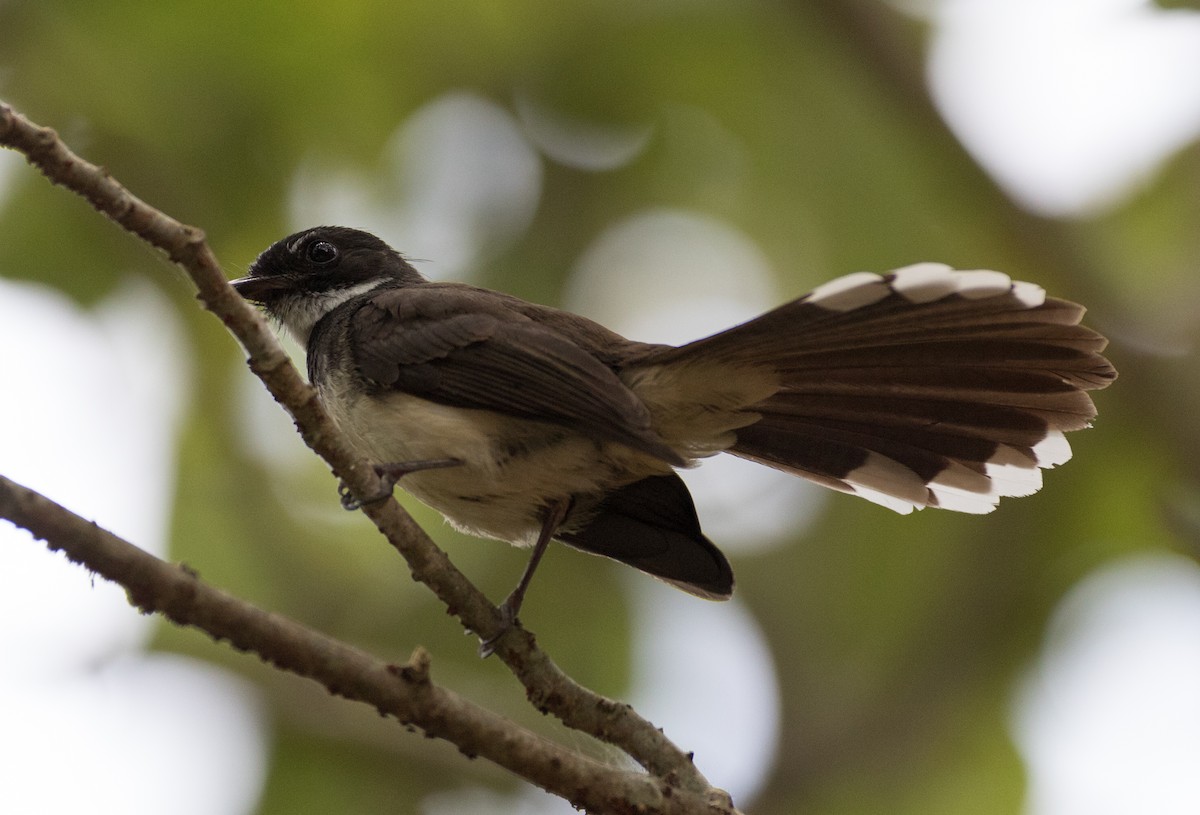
(460, 180)
(674, 276)
(703, 673)
(744, 506)
(1070, 104)
(577, 143)
(1108, 721)
(90, 416)
(139, 735)
(526, 800)
(264, 430)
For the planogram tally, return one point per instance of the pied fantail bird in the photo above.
(921, 387)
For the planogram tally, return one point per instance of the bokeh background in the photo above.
(668, 167)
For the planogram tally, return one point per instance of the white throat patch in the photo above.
(300, 313)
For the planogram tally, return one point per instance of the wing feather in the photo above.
(459, 346)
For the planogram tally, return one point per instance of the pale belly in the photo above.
(512, 470)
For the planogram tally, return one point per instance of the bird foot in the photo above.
(508, 619)
(389, 474)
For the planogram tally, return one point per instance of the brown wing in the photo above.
(465, 347)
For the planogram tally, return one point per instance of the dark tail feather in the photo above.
(652, 525)
(924, 387)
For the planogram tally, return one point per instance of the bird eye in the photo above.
(322, 253)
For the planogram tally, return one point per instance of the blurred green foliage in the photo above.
(897, 639)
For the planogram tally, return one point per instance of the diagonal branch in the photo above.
(403, 691)
(547, 687)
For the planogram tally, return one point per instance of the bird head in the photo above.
(303, 277)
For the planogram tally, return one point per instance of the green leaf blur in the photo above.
(897, 639)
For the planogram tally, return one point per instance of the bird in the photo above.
(921, 387)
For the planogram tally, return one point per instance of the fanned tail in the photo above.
(922, 387)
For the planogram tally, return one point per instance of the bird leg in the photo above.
(389, 474)
(555, 515)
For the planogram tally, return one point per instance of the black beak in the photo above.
(259, 289)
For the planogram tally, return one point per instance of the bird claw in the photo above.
(389, 474)
(508, 619)
(351, 503)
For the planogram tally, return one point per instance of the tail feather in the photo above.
(1058, 391)
(912, 418)
(924, 387)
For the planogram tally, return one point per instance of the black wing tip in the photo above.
(718, 589)
(652, 526)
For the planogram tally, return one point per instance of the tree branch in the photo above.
(403, 691)
(547, 687)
